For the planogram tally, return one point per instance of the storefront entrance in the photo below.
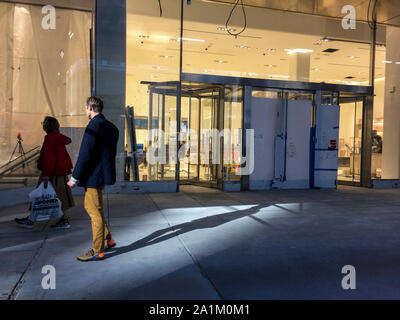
(201, 114)
(350, 138)
(301, 139)
(198, 141)
(358, 144)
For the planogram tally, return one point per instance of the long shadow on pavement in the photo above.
(201, 223)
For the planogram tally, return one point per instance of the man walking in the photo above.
(95, 169)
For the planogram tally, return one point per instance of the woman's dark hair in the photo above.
(51, 124)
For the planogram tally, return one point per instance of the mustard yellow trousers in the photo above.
(94, 207)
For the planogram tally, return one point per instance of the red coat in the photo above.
(54, 158)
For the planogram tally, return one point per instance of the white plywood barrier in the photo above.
(294, 161)
(298, 144)
(264, 122)
(326, 152)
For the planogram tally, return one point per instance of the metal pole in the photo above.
(178, 104)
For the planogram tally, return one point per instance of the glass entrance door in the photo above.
(200, 125)
(206, 109)
(208, 143)
(350, 141)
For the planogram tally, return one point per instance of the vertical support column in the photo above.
(199, 147)
(391, 128)
(179, 103)
(368, 117)
(299, 66)
(188, 133)
(110, 66)
(150, 127)
(366, 156)
(220, 126)
(372, 56)
(247, 96)
(163, 130)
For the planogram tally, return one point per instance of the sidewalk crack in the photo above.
(192, 256)
(14, 293)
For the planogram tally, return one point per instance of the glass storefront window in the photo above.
(309, 48)
(152, 60)
(378, 118)
(44, 71)
(233, 120)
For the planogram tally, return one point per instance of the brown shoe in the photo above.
(91, 256)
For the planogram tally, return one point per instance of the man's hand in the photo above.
(71, 184)
(45, 179)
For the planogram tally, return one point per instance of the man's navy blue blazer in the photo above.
(96, 161)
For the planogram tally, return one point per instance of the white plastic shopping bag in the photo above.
(45, 204)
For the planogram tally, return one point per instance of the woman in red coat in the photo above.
(55, 164)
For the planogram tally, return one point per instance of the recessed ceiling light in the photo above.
(24, 10)
(298, 50)
(166, 57)
(226, 29)
(386, 61)
(353, 57)
(159, 68)
(398, 62)
(279, 76)
(270, 65)
(190, 39)
(220, 61)
(317, 69)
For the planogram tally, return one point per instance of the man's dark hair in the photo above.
(96, 104)
(51, 124)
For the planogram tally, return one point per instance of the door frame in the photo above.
(366, 140)
(217, 120)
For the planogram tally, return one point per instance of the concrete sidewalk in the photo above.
(207, 244)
